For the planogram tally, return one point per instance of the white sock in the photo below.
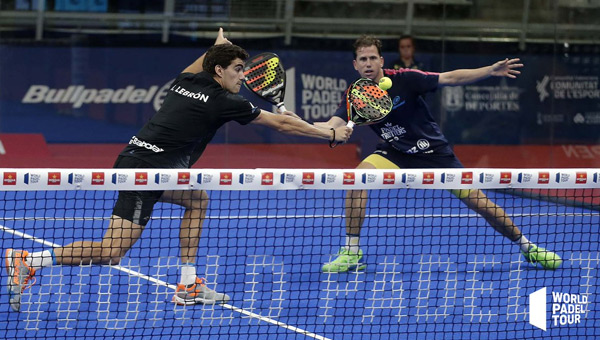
(523, 243)
(40, 259)
(188, 274)
(352, 243)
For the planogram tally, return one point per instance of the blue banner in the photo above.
(94, 94)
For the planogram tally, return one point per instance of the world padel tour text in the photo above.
(567, 309)
(422, 302)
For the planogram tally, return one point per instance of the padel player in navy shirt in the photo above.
(201, 99)
(412, 139)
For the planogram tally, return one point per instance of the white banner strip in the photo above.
(294, 179)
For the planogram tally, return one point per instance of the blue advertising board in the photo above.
(99, 94)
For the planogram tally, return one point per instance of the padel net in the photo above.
(431, 267)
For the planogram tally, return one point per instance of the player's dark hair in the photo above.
(222, 55)
(407, 36)
(366, 41)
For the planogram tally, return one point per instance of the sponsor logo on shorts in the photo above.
(389, 178)
(543, 177)
(428, 177)
(581, 178)
(141, 178)
(308, 178)
(10, 178)
(267, 178)
(54, 178)
(183, 178)
(467, 177)
(97, 178)
(348, 178)
(505, 177)
(225, 178)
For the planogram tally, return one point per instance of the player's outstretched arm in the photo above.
(196, 66)
(503, 68)
(293, 126)
(334, 122)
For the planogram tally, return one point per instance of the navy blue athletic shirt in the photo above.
(410, 127)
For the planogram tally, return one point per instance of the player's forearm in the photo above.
(464, 76)
(294, 126)
(196, 66)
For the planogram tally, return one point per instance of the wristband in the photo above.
(332, 142)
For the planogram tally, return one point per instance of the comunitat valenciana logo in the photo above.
(79, 95)
(566, 309)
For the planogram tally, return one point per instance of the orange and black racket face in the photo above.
(265, 76)
(367, 102)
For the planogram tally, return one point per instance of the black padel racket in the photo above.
(367, 103)
(265, 76)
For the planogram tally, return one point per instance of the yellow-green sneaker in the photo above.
(345, 261)
(546, 258)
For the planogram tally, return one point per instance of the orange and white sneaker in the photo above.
(19, 276)
(198, 293)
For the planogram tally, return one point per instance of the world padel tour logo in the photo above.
(225, 178)
(54, 178)
(141, 178)
(567, 309)
(308, 178)
(389, 178)
(183, 178)
(267, 178)
(10, 178)
(97, 178)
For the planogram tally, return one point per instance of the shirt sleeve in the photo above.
(419, 81)
(236, 107)
(342, 110)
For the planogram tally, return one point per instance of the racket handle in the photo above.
(350, 124)
(281, 108)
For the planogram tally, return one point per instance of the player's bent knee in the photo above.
(196, 200)
(111, 256)
(356, 194)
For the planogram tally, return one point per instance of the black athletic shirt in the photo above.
(195, 107)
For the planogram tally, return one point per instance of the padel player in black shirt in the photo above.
(201, 99)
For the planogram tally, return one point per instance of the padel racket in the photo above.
(265, 76)
(367, 103)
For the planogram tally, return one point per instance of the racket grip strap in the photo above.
(281, 108)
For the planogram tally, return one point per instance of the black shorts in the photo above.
(135, 206)
(445, 159)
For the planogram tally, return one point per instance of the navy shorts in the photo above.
(135, 206)
(446, 159)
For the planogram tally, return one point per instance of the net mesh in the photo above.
(434, 267)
